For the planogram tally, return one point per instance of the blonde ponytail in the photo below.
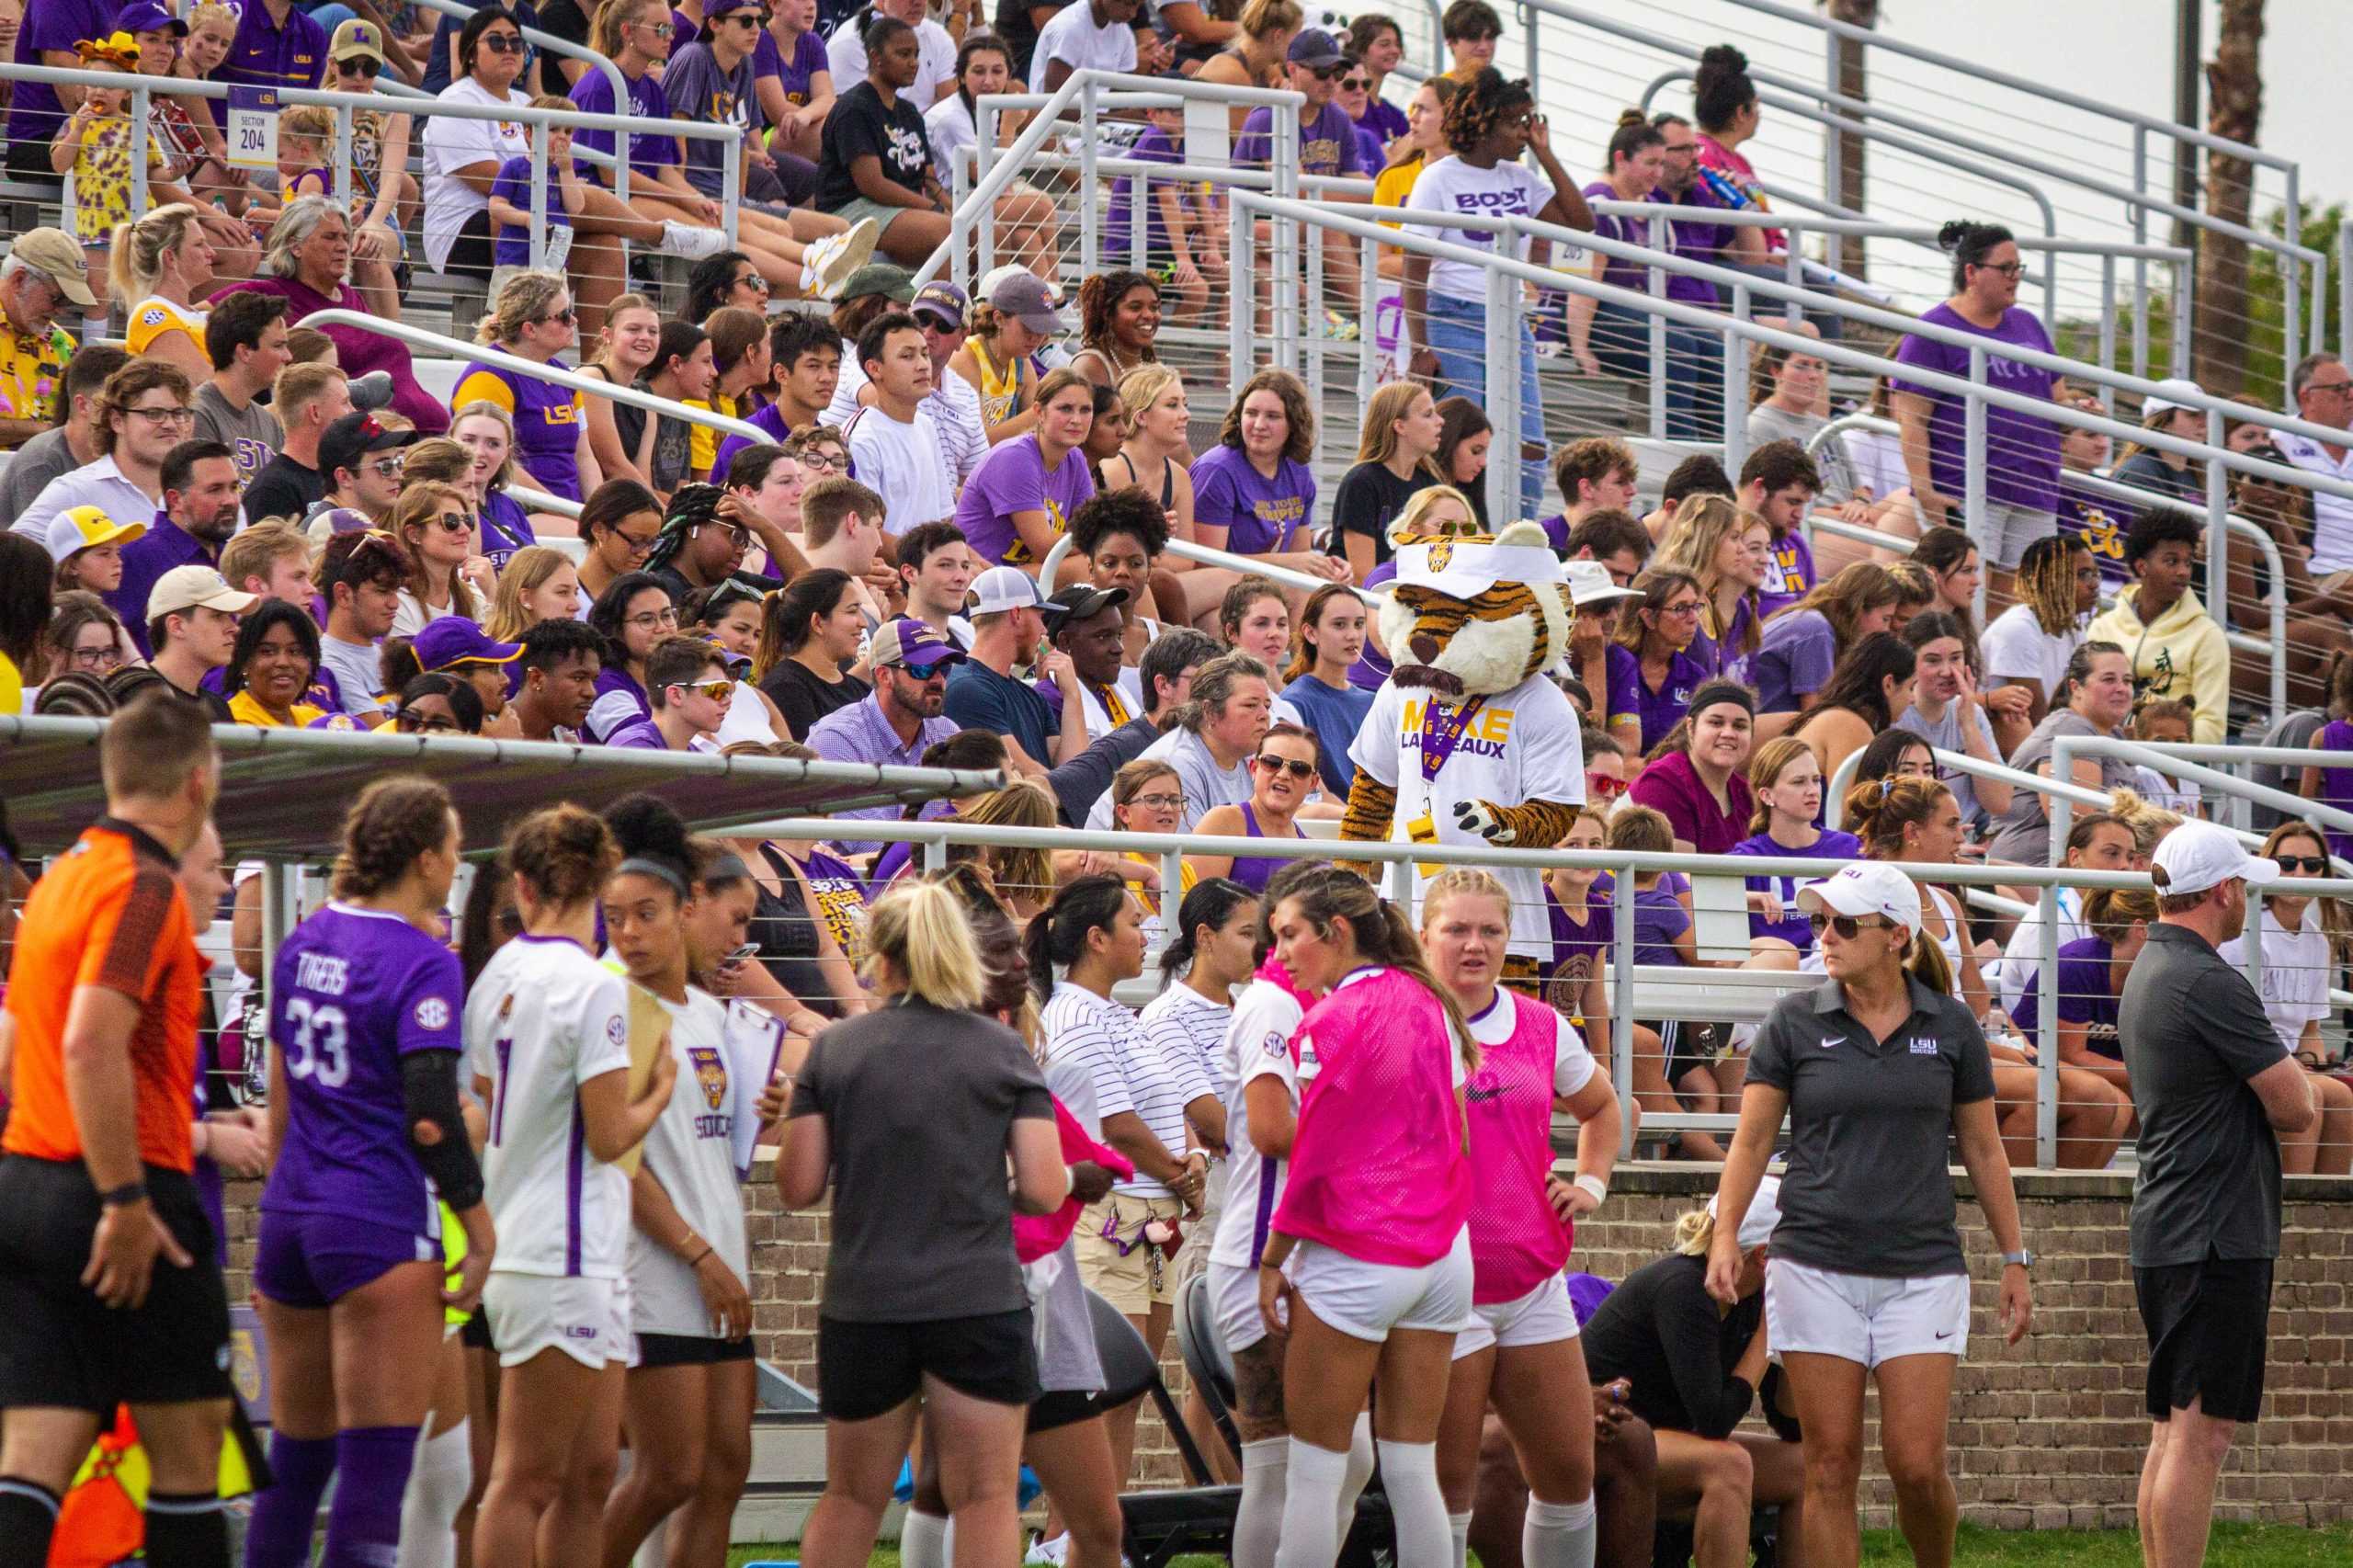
(1695, 1233)
(918, 929)
(1928, 964)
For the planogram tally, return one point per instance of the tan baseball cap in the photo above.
(185, 588)
(54, 253)
(356, 39)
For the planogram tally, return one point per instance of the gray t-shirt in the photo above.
(252, 432)
(357, 674)
(37, 463)
(1868, 1189)
(1944, 734)
(698, 89)
(2194, 1032)
(918, 1104)
(2022, 833)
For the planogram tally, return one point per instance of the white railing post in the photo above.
(1369, 340)
(2108, 326)
(141, 110)
(2046, 1030)
(2218, 535)
(1243, 269)
(539, 139)
(1656, 277)
(1735, 363)
(1621, 1003)
(1088, 218)
(1501, 326)
(1973, 469)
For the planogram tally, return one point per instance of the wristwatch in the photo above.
(128, 1193)
(2023, 1257)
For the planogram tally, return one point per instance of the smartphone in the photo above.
(749, 951)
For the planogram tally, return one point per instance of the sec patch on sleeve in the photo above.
(433, 1013)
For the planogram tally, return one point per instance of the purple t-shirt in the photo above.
(1796, 657)
(1385, 120)
(1659, 919)
(1327, 144)
(1616, 272)
(352, 993)
(1580, 946)
(2336, 783)
(1789, 574)
(1372, 665)
(1261, 515)
(1731, 658)
(1013, 478)
(770, 419)
(1154, 147)
(2101, 524)
(808, 59)
(1659, 710)
(1791, 927)
(2084, 997)
(510, 245)
(1693, 239)
(1673, 786)
(2021, 450)
(648, 155)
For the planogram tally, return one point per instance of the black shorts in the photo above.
(62, 1346)
(470, 253)
(475, 1333)
(1062, 1407)
(28, 162)
(866, 1369)
(689, 1350)
(2209, 1329)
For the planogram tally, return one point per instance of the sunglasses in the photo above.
(2318, 865)
(751, 280)
(503, 43)
(664, 29)
(414, 722)
(714, 689)
(1356, 85)
(1600, 786)
(455, 523)
(926, 671)
(360, 67)
(567, 315)
(1285, 765)
(391, 467)
(1846, 926)
(1325, 72)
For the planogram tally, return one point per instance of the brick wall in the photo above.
(2047, 1435)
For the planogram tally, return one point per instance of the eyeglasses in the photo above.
(2316, 865)
(411, 721)
(164, 416)
(714, 689)
(824, 463)
(653, 619)
(1292, 766)
(2007, 268)
(1683, 611)
(740, 538)
(638, 546)
(1600, 786)
(97, 658)
(1846, 926)
(926, 671)
(360, 67)
(1160, 802)
(2336, 388)
(456, 523)
(503, 43)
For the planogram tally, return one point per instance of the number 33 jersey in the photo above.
(353, 992)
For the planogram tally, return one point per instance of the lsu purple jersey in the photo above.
(353, 992)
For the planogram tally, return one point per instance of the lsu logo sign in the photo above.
(711, 1073)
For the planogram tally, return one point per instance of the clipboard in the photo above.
(755, 1044)
(649, 1037)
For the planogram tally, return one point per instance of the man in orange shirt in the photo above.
(107, 1284)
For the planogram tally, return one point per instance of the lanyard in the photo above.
(1442, 732)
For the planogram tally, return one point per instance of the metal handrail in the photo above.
(1289, 577)
(555, 375)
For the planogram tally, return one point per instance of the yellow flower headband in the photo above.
(120, 50)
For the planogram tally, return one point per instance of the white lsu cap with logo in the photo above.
(1866, 887)
(2200, 855)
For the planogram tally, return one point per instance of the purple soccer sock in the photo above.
(284, 1517)
(364, 1523)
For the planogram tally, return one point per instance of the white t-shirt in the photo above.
(1449, 184)
(450, 144)
(1256, 1045)
(1522, 745)
(413, 615)
(1876, 461)
(950, 125)
(1099, 723)
(2022, 959)
(1073, 38)
(690, 1152)
(905, 464)
(2298, 970)
(545, 1018)
(1121, 1061)
(846, 54)
(954, 404)
(2331, 515)
(357, 674)
(2018, 649)
(1189, 1028)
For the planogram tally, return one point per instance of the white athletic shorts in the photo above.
(1366, 1301)
(1233, 1307)
(588, 1320)
(1862, 1318)
(1541, 1317)
(2008, 529)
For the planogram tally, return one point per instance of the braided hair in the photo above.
(1481, 106)
(691, 505)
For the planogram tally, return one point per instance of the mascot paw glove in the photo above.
(1477, 816)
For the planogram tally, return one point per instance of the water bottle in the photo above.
(1727, 190)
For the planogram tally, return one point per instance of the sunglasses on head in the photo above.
(1846, 926)
(1297, 769)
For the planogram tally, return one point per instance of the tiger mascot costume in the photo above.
(1469, 741)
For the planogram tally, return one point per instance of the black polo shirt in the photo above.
(2194, 1032)
(1868, 1189)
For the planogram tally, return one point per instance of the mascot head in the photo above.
(1471, 615)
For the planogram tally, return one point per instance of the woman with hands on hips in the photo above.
(1867, 1276)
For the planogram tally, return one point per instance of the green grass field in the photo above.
(2235, 1545)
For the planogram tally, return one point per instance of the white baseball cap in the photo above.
(1002, 588)
(2200, 855)
(2168, 396)
(1764, 1213)
(1866, 887)
(1591, 583)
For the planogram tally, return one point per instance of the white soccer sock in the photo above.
(438, 1482)
(1312, 1506)
(1258, 1522)
(1558, 1535)
(1458, 1525)
(1409, 1475)
(923, 1541)
(1360, 1476)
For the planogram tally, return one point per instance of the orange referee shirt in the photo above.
(108, 914)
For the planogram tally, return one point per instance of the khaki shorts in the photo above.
(1141, 1278)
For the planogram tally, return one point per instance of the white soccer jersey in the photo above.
(1517, 746)
(690, 1152)
(1126, 1070)
(1258, 1045)
(545, 1018)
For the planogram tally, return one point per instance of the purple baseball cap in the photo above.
(454, 640)
(910, 641)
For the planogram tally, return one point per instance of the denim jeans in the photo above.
(1457, 332)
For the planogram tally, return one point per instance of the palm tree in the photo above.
(2234, 109)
